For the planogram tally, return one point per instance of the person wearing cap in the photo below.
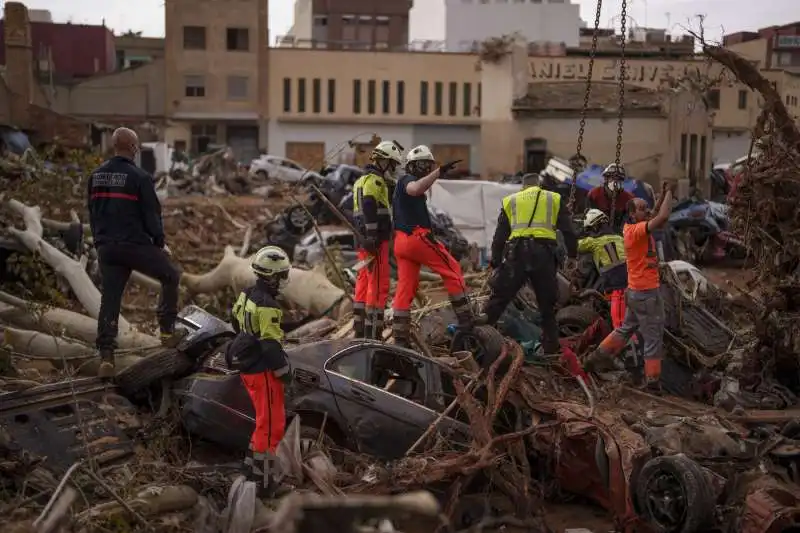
(611, 198)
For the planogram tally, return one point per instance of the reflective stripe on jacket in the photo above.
(532, 212)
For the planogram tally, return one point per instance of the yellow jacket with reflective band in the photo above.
(371, 207)
(258, 318)
(608, 251)
(532, 212)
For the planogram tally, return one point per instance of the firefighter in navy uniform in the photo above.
(125, 219)
(524, 248)
(608, 254)
(371, 210)
(262, 363)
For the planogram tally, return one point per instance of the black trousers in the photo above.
(117, 261)
(535, 262)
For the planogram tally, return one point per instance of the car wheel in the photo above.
(298, 220)
(152, 369)
(311, 440)
(673, 495)
(484, 342)
(575, 319)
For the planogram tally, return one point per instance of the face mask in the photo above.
(614, 186)
(282, 284)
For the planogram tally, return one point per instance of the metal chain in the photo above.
(578, 157)
(623, 70)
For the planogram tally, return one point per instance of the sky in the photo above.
(427, 16)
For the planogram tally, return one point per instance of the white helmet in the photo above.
(387, 150)
(420, 153)
(594, 217)
(614, 171)
(272, 263)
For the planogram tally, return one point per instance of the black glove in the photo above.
(447, 167)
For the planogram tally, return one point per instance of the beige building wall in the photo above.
(136, 93)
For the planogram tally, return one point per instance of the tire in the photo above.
(485, 342)
(297, 220)
(682, 482)
(151, 370)
(575, 319)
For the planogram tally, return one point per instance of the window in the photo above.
(202, 136)
(195, 86)
(386, 370)
(712, 97)
(238, 39)
(401, 98)
(354, 365)
(453, 96)
(301, 95)
(357, 97)
(287, 95)
(371, 97)
(423, 97)
(331, 96)
(684, 149)
(194, 38)
(381, 20)
(386, 97)
(320, 20)
(692, 158)
(785, 59)
(316, 95)
(237, 87)
(743, 99)
(480, 96)
(438, 90)
(467, 99)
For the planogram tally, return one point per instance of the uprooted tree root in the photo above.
(764, 212)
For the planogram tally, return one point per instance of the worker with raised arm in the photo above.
(373, 218)
(263, 364)
(644, 307)
(128, 233)
(608, 254)
(415, 246)
(524, 248)
(611, 198)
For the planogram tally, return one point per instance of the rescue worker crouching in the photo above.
(371, 210)
(263, 365)
(608, 254)
(611, 198)
(415, 246)
(525, 248)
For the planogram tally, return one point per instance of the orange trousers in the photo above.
(266, 393)
(372, 281)
(418, 249)
(617, 299)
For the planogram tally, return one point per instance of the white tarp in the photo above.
(473, 205)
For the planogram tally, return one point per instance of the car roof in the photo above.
(317, 353)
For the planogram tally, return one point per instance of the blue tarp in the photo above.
(592, 177)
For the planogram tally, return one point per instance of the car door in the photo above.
(384, 424)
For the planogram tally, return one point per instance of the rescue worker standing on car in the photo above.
(524, 248)
(608, 254)
(262, 363)
(372, 214)
(125, 219)
(415, 246)
(645, 306)
(612, 191)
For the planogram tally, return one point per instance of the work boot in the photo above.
(463, 310)
(401, 328)
(359, 314)
(368, 322)
(106, 370)
(171, 339)
(599, 360)
(378, 324)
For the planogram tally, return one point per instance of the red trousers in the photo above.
(266, 392)
(412, 252)
(617, 299)
(372, 281)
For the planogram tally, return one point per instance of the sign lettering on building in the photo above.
(648, 73)
(788, 41)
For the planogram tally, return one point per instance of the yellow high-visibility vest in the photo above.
(532, 213)
(374, 186)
